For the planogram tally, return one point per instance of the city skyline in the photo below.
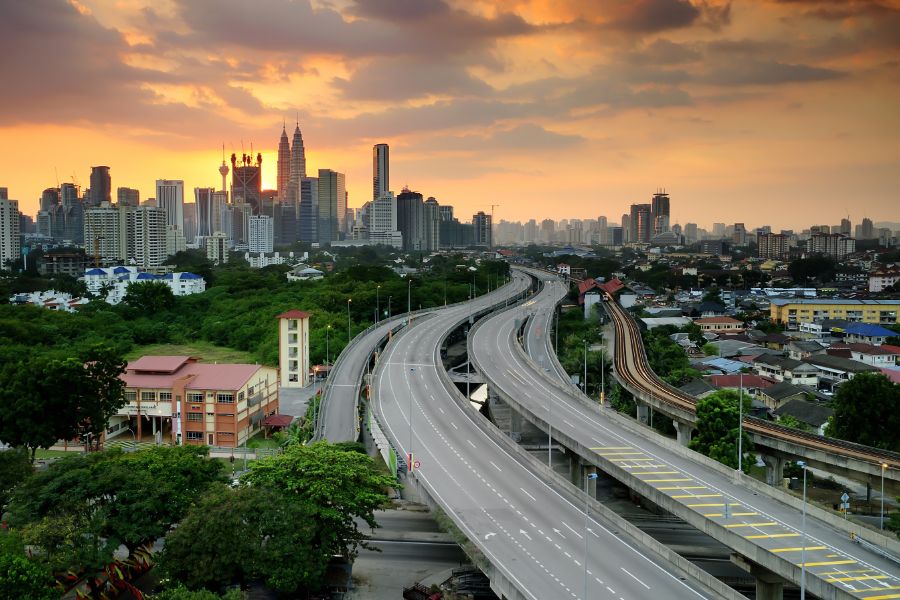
(548, 110)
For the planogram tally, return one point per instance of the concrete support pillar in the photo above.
(774, 469)
(769, 586)
(591, 489)
(515, 423)
(643, 412)
(574, 467)
(683, 432)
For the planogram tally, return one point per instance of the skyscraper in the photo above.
(170, 197)
(205, 203)
(284, 169)
(382, 221)
(641, 224)
(659, 212)
(332, 205)
(298, 166)
(9, 233)
(146, 235)
(262, 234)
(105, 233)
(482, 225)
(845, 227)
(126, 196)
(411, 220)
(246, 181)
(432, 222)
(101, 186)
(309, 209)
(380, 170)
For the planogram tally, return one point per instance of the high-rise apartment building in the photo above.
(482, 225)
(432, 222)
(380, 170)
(641, 224)
(835, 245)
(659, 212)
(865, 230)
(771, 245)
(548, 230)
(332, 198)
(101, 186)
(718, 230)
(170, 198)
(10, 247)
(626, 228)
(739, 237)
(146, 235)
(382, 221)
(262, 234)
(105, 233)
(284, 169)
(205, 203)
(411, 220)
(217, 248)
(846, 227)
(690, 233)
(126, 196)
(175, 240)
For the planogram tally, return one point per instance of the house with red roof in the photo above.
(180, 400)
(719, 324)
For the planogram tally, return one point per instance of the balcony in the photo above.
(254, 399)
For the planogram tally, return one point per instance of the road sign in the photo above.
(416, 465)
(845, 498)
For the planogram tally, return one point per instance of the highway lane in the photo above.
(771, 525)
(534, 536)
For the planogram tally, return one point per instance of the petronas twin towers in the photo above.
(291, 167)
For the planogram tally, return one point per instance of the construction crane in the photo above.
(492, 222)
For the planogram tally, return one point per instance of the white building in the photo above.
(114, 282)
(883, 278)
(9, 233)
(382, 221)
(105, 232)
(293, 348)
(170, 197)
(175, 241)
(262, 234)
(260, 260)
(49, 299)
(146, 234)
(217, 248)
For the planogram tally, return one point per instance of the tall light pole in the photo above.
(585, 367)
(349, 300)
(741, 423)
(587, 508)
(550, 433)
(602, 374)
(389, 306)
(883, 467)
(409, 302)
(802, 465)
(327, 331)
(377, 303)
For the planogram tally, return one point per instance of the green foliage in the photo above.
(710, 349)
(22, 578)
(341, 487)
(666, 357)
(819, 268)
(574, 330)
(239, 535)
(717, 429)
(793, 422)
(149, 297)
(622, 401)
(867, 411)
(182, 593)
(15, 467)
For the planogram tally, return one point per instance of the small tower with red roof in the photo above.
(293, 348)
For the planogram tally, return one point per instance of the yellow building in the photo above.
(793, 311)
(293, 348)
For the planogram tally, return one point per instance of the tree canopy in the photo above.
(717, 429)
(867, 411)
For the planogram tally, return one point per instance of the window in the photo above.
(165, 396)
(241, 395)
(292, 338)
(225, 398)
(130, 396)
(195, 416)
(148, 396)
(226, 414)
(226, 435)
(195, 435)
(250, 389)
(194, 397)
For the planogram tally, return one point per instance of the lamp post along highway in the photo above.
(741, 423)
(883, 467)
(349, 300)
(602, 374)
(588, 477)
(408, 302)
(802, 465)
(389, 306)
(377, 303)
(327, 331)
(585, 368)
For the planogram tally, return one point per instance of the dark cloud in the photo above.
(404, 79)
(767, 73)
(527, 137)
(651, 16)
(399, 10)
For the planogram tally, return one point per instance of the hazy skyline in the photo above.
(769, 111)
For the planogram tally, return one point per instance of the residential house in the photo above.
(698, 388)
(882, 278)
(834, 370)
(877, 356)
(867, 333)
(751, 384)
(777, 395)
(720, 324)
(781, 368)
(798, 350)
(774, 341)
(811, 413)
(564, 269)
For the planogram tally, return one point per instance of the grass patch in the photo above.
(41, 454)
(259, 441)
(205, 351)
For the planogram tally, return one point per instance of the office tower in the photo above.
(49, 199)
(411, 220)
(217, 248)
(10, 247)
(101, 186)
(246, 181)
(845, 227)
(204, 201)
(146, 236)
(659, 212)
(865, 230)
(175, 241)
(482, 228)
(262, 234)
(104, 234)
(126, 196)
(380, 170)
(548, 230)
(332, 198)
(602, 231)
(309, 209)
(170, 198)
(626, 228)
(432, 222)
(381, 218)
(739, 237)
(190, 222)
(641, 225)
(690, 233)
(298, 165)
(718, 230)
(616, 236)
(284, 168)
(530, 233)
(771, 245)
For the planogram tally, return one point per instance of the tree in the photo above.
(238, 535)
(793, 422)
(149, 297)
(22, 577)
(343, 487)
(717, 429)
(817, 267)
(182, 593)
(103, 391)
(867, 411)
(15, 467)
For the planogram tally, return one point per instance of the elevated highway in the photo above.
(761, 524)
(536, 535)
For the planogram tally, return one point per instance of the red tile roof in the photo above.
(892, 374)
(612, 286)
(717, 320)
(159, 364)
(294, 314)
(278, 420)
(201, 376)
(734, 381)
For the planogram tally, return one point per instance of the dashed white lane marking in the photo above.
(529, 495)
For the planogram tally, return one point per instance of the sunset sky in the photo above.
(781, 112)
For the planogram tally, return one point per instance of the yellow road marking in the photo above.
(619, 453)
(668, 480)
(771, 535)
(657, 473)
(860, 578)
(827, 563)
(800, 550)
(769, 524)
(644, 466)
(847, 572)
(612, 448)
(698, 496)
(746, 514)
(684, 487)
(878, 589)
(631, 459)
(714, 504)
(883, 597)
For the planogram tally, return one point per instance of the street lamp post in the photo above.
(550, 433)
(883, 467)
(349, 300)
(741, 424)
(587, 508)
(389, 306)
(409, 302)
(327, 332)
(802, 465)
(377, 303)
(585, 368)
(602, 375)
